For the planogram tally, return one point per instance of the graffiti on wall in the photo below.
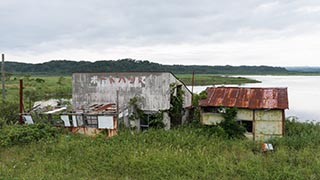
(104, 81)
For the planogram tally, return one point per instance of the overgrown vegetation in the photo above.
(181, 153)
(176, 104)
(154, 120)
(300, 135)
(230, 126)
(137, 112)
(9, 112)
(23, 134)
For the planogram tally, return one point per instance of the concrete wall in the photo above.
(153, 89)
(266, 123)
(208, 118)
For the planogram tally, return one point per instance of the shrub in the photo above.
(22, 134)
(9, 113)
(230, 126)
(299, 135)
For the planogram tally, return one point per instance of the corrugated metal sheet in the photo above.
(252, 98)
(102, 108)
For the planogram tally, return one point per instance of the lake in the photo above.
(303, 92)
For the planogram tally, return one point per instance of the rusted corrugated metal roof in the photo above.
(100, 108)
(251, 98)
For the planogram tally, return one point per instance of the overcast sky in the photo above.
(200, 32)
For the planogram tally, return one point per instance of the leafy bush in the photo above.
(176, 104)
(299, 135)
(156, 120)
(9, 113)
(22, 134)
(230, 126)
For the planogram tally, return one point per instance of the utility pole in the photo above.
(3, 80)
(21, 101)
(192, 87)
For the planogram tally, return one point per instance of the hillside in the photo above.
(67, 67)
(307, 69)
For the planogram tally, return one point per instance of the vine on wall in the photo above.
(176, 104)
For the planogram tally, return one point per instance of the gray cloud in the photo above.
(42, 27)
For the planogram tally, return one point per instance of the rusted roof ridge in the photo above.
(252, 98)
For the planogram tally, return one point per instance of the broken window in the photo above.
(214, 109)
(77, 120)
(209, 109)
(154, 120)
(248, 125)
(92, 121)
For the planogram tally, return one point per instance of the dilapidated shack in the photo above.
(260, 110)
(152, 92)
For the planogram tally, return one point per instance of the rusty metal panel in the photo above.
(252, 98)
(211, 118)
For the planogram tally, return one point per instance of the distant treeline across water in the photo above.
(68, 67)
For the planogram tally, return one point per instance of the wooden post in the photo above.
(192, 81)
(192, 87)
(3, 80)
(21, 101)
(118, 122)
(283, 121)
(254, 125)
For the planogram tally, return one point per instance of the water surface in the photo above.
(303, 93)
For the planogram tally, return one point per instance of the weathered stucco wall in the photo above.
(245, 114)
(210, 118)
(153, 89)
(266, 123)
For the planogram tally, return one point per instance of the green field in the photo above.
(38, 88)
(210, 79)
(189, 152)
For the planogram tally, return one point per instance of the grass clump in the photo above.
(23, 134)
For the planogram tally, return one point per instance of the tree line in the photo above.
(67, 67)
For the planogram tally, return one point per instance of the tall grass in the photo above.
(182, 153)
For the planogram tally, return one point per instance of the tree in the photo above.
(230, 126)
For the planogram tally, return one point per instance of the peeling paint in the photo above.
(152, 87)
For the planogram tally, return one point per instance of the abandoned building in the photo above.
(90, 121)
(151, 92)
(260, 110)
